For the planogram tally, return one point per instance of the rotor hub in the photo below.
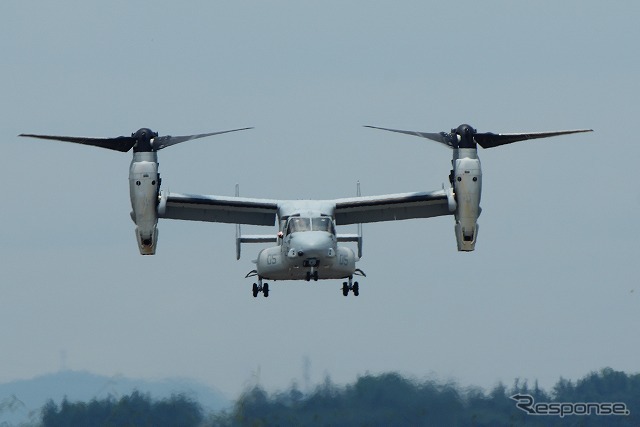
(464, 136)
(143, 138)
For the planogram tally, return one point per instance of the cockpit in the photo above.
(323, 223)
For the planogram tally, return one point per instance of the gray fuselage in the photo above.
(306, 245)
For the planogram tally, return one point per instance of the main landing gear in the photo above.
(346, 287)
(260, 287)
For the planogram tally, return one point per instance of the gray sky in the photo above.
(550, 291)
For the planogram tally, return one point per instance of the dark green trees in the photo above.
(390, 399)
(373, 400)
(134, 410)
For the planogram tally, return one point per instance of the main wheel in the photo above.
(345, 289)
(356, 289)
(265, 290)
(255, 290)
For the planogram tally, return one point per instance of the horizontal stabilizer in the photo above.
(252, 238)
(353, 238)
(348, 237)
(258, 238)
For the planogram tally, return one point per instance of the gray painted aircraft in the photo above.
(306, 244)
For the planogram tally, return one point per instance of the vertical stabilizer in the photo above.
(238, 233)
(359, 194)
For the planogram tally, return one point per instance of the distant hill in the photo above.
(21, 401)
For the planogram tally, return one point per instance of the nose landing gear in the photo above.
(312, 275)
(348, 286)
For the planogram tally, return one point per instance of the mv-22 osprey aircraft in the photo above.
(306, 245)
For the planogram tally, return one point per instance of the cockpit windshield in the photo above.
(322, 224)
(310, 224)
(298, 224)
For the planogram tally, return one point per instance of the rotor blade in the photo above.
(164, 141)
(121, 143)
(490, 140)
(442, 137)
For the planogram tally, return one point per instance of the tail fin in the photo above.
(238, 233)
(250, 238)
(359, 225)
(354, 237)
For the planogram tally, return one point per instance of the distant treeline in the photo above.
(134, 410)
(380, 400)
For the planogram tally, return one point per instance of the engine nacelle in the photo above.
(144, 184)
(467, 182)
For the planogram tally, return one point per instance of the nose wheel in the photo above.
(312, 276)
(260, 287)
(348, 286)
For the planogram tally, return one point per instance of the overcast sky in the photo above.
(551, 290)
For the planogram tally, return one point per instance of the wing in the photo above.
(232, 210)
(391, 207)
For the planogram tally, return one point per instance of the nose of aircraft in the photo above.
(311, 244)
